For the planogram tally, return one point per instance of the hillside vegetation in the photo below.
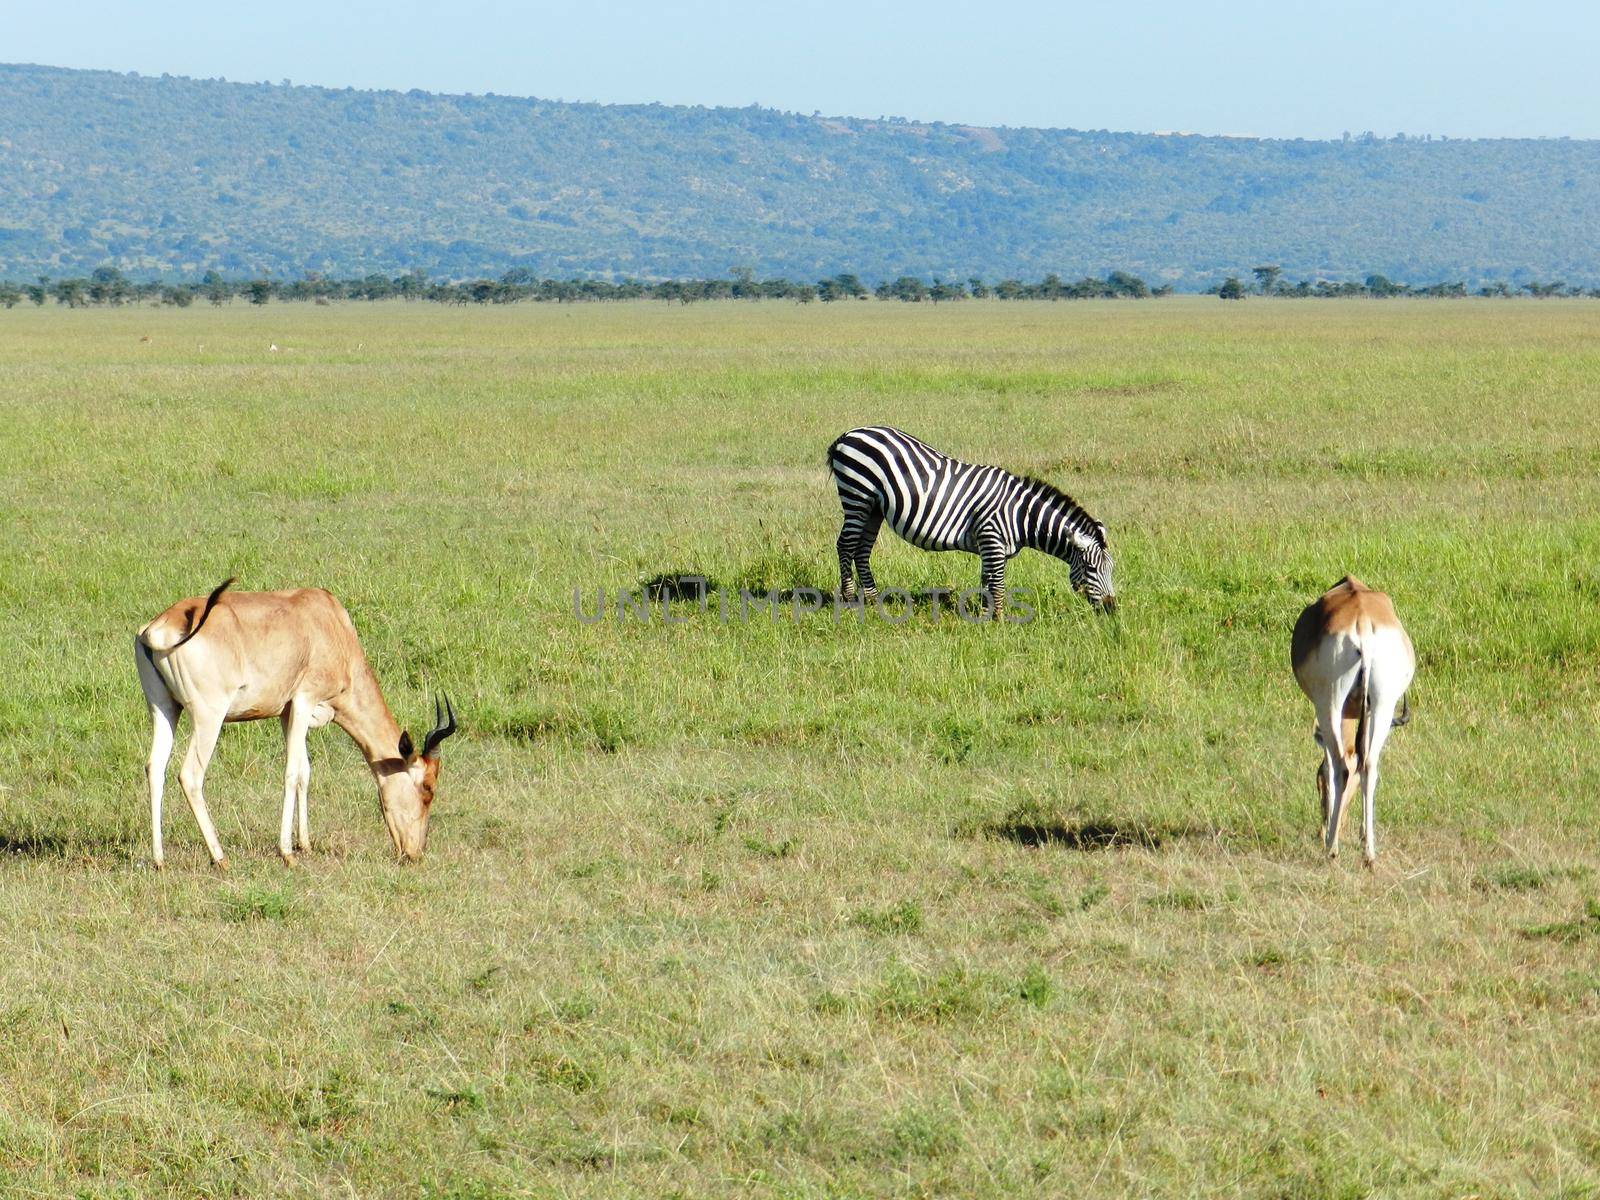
(174, 177)
(798, 907)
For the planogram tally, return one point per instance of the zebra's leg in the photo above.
(867, 538)
(847, 548)
(993, 577)
(861, 517)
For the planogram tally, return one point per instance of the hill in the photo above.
(173, 177)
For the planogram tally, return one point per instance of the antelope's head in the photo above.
(405, 794)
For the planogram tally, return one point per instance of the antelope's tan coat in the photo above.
(1353, 660)
(294, 655)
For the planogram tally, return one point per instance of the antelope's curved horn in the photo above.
(443, 726)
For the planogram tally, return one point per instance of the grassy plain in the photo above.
(809, 908)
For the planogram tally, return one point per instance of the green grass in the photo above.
(808, 908)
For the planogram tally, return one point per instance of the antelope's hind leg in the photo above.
(192, 777)
(1324, 784)
(164, 712)
(296, 721)
(1330, 730)
(1382, 716)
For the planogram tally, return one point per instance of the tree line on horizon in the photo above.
(108, 286)
(1269, 282)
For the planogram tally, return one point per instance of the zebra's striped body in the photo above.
(941, 503)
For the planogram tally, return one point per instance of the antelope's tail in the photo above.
(155, 634)
(1404, 715)
(211, 602)
(1364, 728)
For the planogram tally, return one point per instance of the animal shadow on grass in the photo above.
(671, 586)
(1031, 828)
(39, 844)
(679, 585)
(95, 850)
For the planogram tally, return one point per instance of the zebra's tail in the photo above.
(833, 450)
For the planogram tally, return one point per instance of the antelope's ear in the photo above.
(405, 744)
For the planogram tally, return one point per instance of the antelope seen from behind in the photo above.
(294, 655)
(1354, 662)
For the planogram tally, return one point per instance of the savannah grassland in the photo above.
(809, 907)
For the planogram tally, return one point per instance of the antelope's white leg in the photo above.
(192, 776)
(296, 775)
(1325, 785)
(164, 723)
(304, 831)
(1382, 717)
(1330, 710)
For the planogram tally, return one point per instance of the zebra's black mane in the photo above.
(1074, 510)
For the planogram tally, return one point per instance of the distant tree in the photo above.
(840, 287)
(908, 288)
(1231, 289)
(1380, 285)
(71, 292)
(414, 283)
(215, 287)
(978, 288)
(107, 285)
(851, 286)
(946, 291)
(259, 290)
(1120, 283)
(10, 295)
(1266, 278)
(744, 285)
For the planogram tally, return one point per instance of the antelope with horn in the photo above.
(1354, 662)
(245, 656)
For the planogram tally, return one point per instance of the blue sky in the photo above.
(1470, 68)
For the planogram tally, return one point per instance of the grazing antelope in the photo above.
(1354, 662)
(292, 655)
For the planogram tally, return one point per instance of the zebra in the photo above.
(940, 503)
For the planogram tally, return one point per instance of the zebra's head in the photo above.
(1089, 565)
